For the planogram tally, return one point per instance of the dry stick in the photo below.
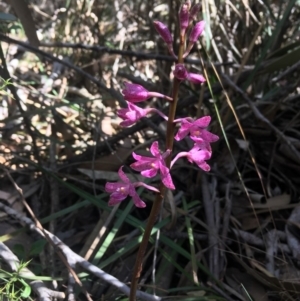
(74, 258)
(130, 53)
(54, 196)
(252, 239)
(46, 235)
(137, 270)
(70, 288)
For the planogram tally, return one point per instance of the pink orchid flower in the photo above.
(197, 130)
(119, 191)
(195, 155)
(137, 93)
(149, 166)
(133, 113)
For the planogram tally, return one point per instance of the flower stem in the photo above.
(159, 197)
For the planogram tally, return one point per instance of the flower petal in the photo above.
(203, 145)
(142, 158)
(127, 123)
(184, 16)
(163, 31)
(166, 177)
(149, 173)
(112, 187)
(196, 78)
(196, 31)
(167, 181)
(200, 155)
(123, 176)
(209, 137)
(134, 92)
(202, 122)
(122, 113)
(182, 132)
(140, 165)
(154, 149)
(115, 199)
(137, 201)
(204, 166)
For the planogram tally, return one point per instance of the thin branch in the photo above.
(74, 259)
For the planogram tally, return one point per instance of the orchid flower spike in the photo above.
(119, 191)
(137, 93)
(149, 166)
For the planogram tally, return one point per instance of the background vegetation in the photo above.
(232, 234)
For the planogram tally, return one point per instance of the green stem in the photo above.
(137, 270)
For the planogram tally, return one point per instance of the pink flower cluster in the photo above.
(196, 130)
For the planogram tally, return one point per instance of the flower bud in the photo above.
(195, 10)
(180, 72)
(196, 31)
(196, 78)
(163, 31)
(194, 35)
(184, 17)
(135, 92)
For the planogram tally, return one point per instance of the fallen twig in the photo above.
(74, 259)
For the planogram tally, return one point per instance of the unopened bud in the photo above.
(180, 72)
(194, 36)
(163, 31)
(197, 31)
(195, 10)
(196, 78)
(184, 17)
